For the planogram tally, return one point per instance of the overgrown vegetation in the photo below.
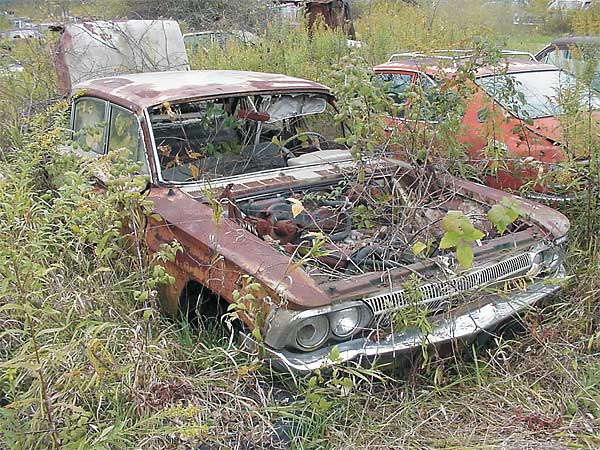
(87, 360)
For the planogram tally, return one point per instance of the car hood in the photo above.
(91, 50)
(551, 127)
(547, 127)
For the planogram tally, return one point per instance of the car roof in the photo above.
(575, 40)
(144, 90)
(432, 66)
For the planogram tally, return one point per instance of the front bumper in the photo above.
(462, 324)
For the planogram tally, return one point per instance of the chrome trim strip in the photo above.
(436, 295)
(153, 148)
(462, 327)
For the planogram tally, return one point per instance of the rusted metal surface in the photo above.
(145, 90)
(243, 224)
(91, 50)
(217, 255)
(330, 12)
(333, 13)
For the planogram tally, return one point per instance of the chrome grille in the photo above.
(437, 295)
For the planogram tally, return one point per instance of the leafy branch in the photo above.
(460, 233)
(504, 213)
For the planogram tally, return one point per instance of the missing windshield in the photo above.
(204, 140)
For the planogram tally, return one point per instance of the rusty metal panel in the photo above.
(330, 11)
(143, 90)
(98, 49)
(218, 254)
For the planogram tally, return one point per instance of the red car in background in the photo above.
(526, 136)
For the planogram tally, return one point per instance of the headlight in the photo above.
(549, 258)
(344, 322)
(312, 332)
(562, 241)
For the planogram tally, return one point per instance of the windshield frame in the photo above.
(512, 74)
(331, 101)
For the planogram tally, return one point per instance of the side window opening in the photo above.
(89, 124)
(429, 107)
(124, 133)
(561, 58)
(398, 86)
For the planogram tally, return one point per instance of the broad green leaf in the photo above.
(334, 355)
(513, 206)
(418, 248)
(464, 254)
(452, 221)
(450, 239)
(472, 235)
(497, 215)
(505, 213)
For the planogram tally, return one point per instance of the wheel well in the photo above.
(198, 304)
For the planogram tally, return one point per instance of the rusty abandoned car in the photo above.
(246, 174)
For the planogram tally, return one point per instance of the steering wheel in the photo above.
(290, 152)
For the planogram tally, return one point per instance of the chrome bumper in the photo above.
(464, 324)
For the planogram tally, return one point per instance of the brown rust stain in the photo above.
(151, 89)
(217, 256)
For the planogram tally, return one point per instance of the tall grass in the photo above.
(384, 28)
(23, 93)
